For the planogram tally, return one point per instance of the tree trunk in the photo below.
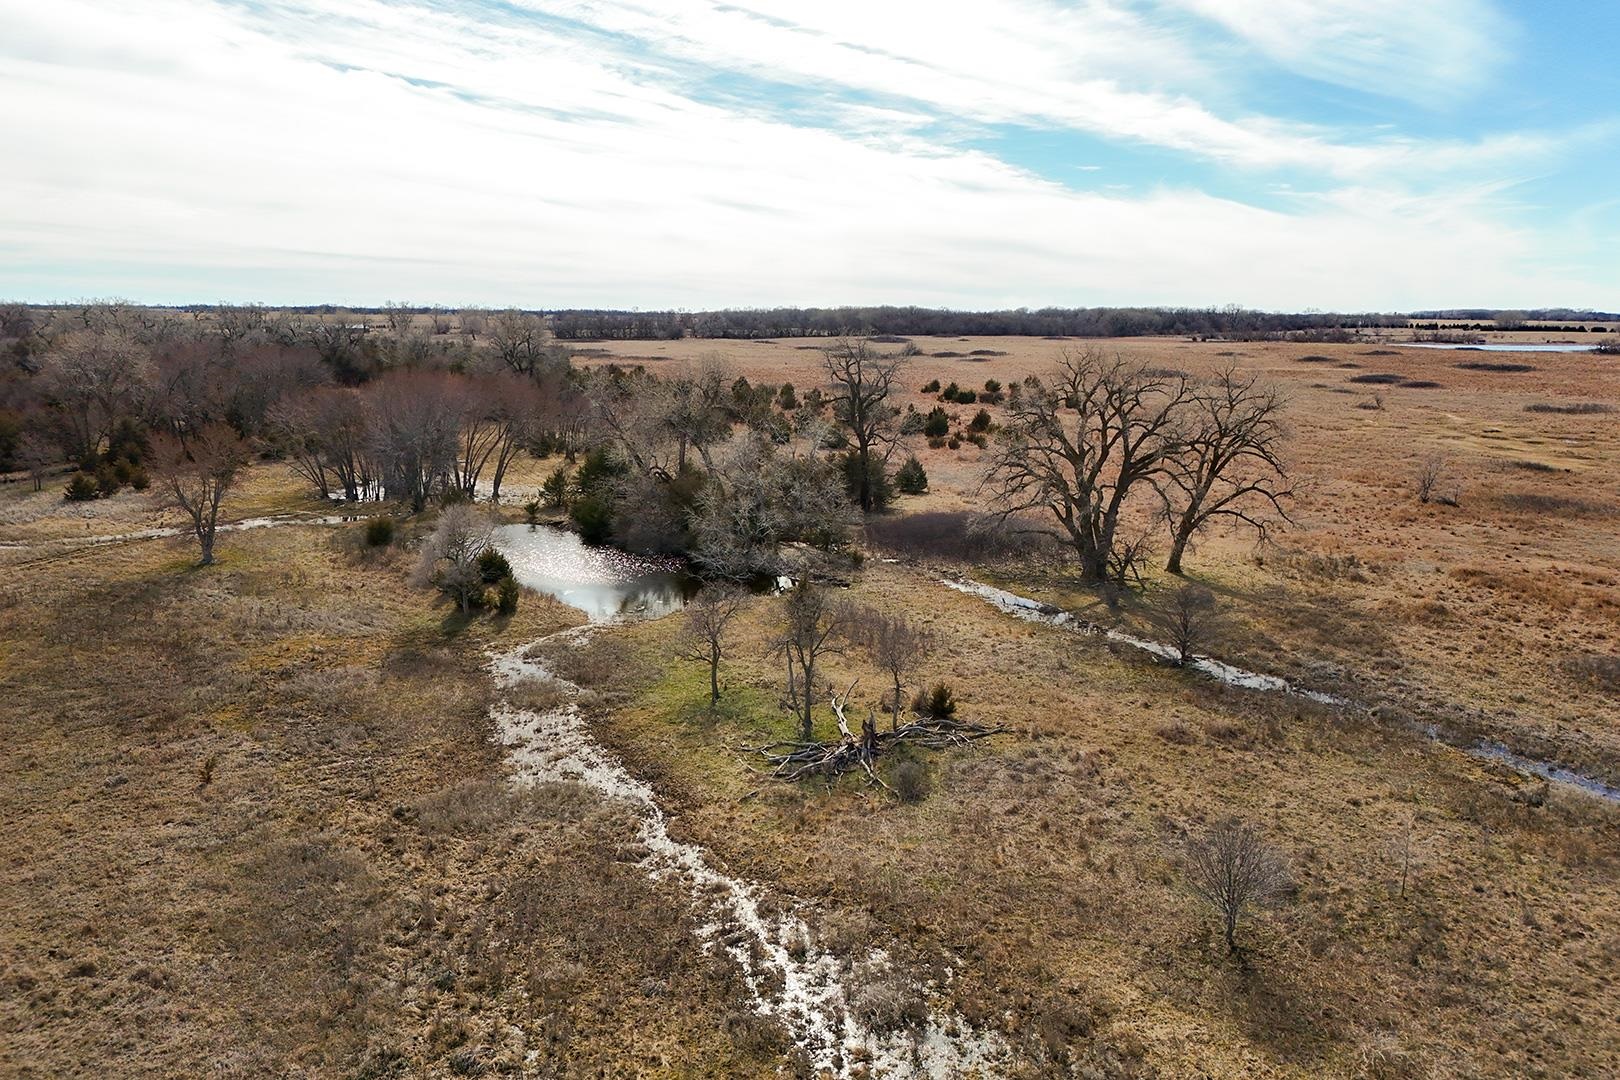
(807, 723)
(714, 677)
(894, 723)
(1178, 545)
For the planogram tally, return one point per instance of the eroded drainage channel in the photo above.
(1022, 607)
(789, 978)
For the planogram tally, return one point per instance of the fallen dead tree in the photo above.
(793, 760)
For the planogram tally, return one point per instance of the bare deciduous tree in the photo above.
(413, 419)
(1232, 869)
(36, 454)
(195, 476)
(1186, 618)
(519, 339)
(702, 636)
(694, 411)
(862, 381)
(813, 626)
(95, 379)
(1229, 463)
(1076, 445)
(449, 557)
(897, 647)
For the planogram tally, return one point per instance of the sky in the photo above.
(1342, 155)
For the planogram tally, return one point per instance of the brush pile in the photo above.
(851, 751)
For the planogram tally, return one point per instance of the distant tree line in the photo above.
(886, 320)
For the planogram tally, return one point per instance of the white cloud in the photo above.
(1430, 51)
(282, 154)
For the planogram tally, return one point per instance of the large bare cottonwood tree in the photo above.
(1079, 443)
(1230, 462)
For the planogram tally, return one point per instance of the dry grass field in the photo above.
(259, 822)
(256, 825)
(1494, 615)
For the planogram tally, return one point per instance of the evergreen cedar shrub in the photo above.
(937, 424)
(932, 387)
(913, 422)
(950, 392)
(82, 488)
(978, 438)
(492, 566)
(992, 386)
(554, 489)
(936, 442)
(981, 421)
(786, 398)
(506, 595)
(955, 443)
(380, 531)
(966, 397)
(939, 703)
(911, 478)
(594, 517)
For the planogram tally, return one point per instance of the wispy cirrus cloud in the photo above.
(1429, 52)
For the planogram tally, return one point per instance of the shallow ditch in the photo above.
(1023, 607)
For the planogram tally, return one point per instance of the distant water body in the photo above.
(1494, 347)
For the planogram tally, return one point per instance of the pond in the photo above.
(1497, 346)
(603, 582)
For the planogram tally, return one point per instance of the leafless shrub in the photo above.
(1233, 870)
(1431, 472)
(449, 557)
(1185, 618)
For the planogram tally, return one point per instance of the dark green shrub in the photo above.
(936, 442)
(82, 488)
(966, 397)
(911, 781)
(992, 386)
(380, 531)
(138, 478)
(593, 514)
(950, 392)
(912, 422)
(911, 478)
(597, 472)
(955, 443)
(107, 482)
(978, 438)
(980, 421)
(531, 511)
(492, 566)
(938, 423)
(932, 387)
(554, 489)
(506, 595)
(941, 702)
(786, 399)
